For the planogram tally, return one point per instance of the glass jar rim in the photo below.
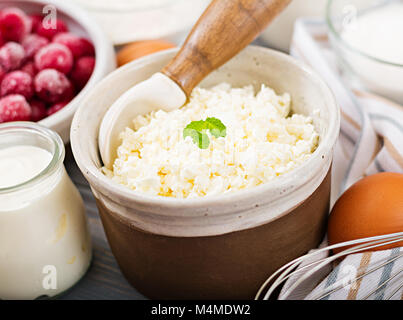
(57, 154)
(336, 34)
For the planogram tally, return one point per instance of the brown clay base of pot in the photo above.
(229, 266)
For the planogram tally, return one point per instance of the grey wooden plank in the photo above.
(104, 279)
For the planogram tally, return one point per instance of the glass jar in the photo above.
(360, 67)
(45, 245)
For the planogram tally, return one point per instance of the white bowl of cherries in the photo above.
(51, 54)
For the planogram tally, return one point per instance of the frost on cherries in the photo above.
(41, 69)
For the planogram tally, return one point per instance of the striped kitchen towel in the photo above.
(376, 275)
(383, 283)
(371, 141)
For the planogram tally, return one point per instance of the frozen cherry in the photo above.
(56, 107)
(47, 30)
(53, 86)
(2, 41)
(14, 107)
(54, 56)
(78, 46)
(2, 73)
(36, 20)
(12, 55)
(82, 71)
(29, 68)
(88, 47)
(14, 24)
(32, 43)
(17, 82)
(38, 109)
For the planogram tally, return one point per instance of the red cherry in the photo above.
(12, 55)
(88, 47)
(82, 71)
(54, 56)
(78, 46)
(2, 73)
(17, 82)
(36, 20)
(14, 24)
(53, 86)
(29, 68)
(2, 41)
(47, 30)
(32, 43)
(57, 107)
(38, 109)
(14, 107)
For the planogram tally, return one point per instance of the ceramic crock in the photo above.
(217, 247)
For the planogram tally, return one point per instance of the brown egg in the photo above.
(139, 49)
(371, 207)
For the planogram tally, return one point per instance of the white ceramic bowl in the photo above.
(79, 23)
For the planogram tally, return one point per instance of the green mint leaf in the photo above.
(216, 127)
(197, 131)
(199, 138)
(196, 125)
(204, 141)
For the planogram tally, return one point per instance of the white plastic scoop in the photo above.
(224, 29)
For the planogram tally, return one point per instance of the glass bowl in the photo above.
(133, 20)
(361, 69)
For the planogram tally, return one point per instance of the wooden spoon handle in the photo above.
(224, 29)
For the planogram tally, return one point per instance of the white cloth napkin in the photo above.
(371, 141)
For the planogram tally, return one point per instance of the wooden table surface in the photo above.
(104, 279)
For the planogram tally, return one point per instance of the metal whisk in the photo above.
(306, 271)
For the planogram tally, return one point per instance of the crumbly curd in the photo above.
(263, 141)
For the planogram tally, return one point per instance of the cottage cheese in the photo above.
(262, 142)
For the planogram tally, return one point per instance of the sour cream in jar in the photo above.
(371, 47)
(45, 246)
